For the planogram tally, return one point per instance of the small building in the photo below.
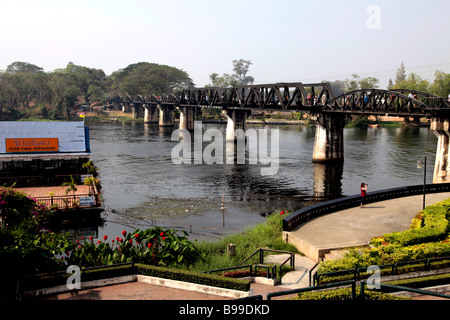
(38, 157)
(34, 153)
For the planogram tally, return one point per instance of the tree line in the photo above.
(26, 90)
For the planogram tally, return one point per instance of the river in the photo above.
(143, 187)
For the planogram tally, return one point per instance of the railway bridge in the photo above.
(329, 112)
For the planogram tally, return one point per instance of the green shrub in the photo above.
(428, 237)
(344, 294)
(194, 277)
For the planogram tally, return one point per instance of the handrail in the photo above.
(357, 271)
(305, 214)
(311, 270)
(401, 288)
(324, 286)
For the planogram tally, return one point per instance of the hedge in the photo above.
(194, 277)
(433, 227)
(60, 278)
(344, 294)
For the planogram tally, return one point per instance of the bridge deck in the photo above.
(355, 227)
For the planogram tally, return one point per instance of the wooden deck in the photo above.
(59, 197)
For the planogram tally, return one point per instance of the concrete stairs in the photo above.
(335, 254)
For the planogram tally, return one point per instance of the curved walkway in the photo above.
(356, 226)
(342, 229)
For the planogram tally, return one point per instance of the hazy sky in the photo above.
(287, 40)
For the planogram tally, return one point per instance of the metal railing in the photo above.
(324, 286)
(271, 272)
(356, 273)
(67, 201)
(308, 213)
(401, 288)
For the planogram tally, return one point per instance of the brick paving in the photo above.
(144, 291)
(36, 192)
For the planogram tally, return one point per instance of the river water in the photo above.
(143, 187)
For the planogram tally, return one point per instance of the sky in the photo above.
(286, 40)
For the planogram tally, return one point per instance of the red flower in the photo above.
(120, 240)
(124, 233)
(90, 238)
(161, 234)
(136, 235)
(105, 237)
(282, 212)
(149, 245)
(164, 238)
(131, 240)
(117, 238)
(82, 238)
(98, 241)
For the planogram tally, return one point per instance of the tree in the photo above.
(390, 84)
(239, 78)
(413, 82)
(356, 83)
(368, 83)
(225, 81)
(441, 84)
(23, 67)
(401, 74)
(149, 78)
(240, 68)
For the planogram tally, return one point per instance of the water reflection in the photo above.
(136, 167)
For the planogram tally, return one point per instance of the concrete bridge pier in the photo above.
(165, 115)
(235, 120)
(150, 114)
(125, 106)
(187, 118)
(134, 110)
(329, 140)
(441, 129)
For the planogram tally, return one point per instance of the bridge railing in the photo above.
(311, 212)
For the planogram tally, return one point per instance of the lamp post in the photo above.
(419, 166)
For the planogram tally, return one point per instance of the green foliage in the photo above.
(24, 246)
(428, 237)
(213, 255)
(21, 212)
(154, 246)
(194, 277)
(345, 294)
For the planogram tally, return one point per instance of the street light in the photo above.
(419, 166)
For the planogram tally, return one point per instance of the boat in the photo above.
(374, 125)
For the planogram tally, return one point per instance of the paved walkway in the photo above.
(351, 227)
(356, 226)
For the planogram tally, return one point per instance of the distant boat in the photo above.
(375, 125)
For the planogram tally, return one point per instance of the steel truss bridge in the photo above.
(298, 97)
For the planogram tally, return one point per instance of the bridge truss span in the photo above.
(405, 103)
(279, 96)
